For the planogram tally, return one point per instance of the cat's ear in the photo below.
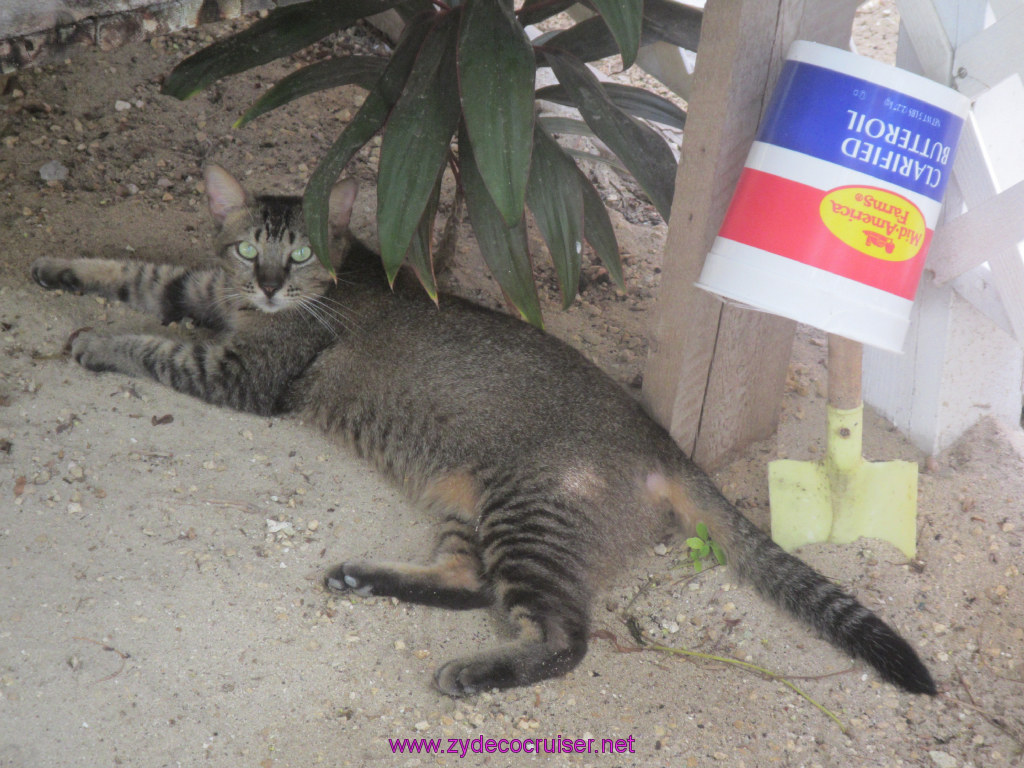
(343, 197)
(224, 192)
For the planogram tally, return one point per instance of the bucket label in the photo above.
(873, 236)
(861, 125)
(876, 222)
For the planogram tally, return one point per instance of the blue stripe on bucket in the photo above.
(862, 126)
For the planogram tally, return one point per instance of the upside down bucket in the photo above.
(835, 208)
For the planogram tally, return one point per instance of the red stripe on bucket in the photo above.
(784, 217)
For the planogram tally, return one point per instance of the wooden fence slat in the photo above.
(715, 373)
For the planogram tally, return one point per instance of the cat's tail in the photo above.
(792, 584)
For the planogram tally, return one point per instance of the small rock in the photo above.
(122, 106)
(53, 171)
(660, 549)
(943, 759)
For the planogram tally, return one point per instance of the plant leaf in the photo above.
(702, 532)
(361, 128)
(282, 32)
(642, 150)
(663, 21)
(570, 125)
(597, 228)
(556, 201)
(420, 250)
(417, 140)
(718, 552)
(624, 19)
(695, 543)
(670, 22)
(503, 247)
(639, 102)
(532, 13)
(363, 71)
(497, 69)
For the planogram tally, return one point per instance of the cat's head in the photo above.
(262, 240)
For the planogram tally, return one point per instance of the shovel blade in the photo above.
(801, 503)
(873, 499)
(879, 500)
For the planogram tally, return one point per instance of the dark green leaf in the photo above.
(624, 19)
(419, 253)
(597, 227)
(591, 157)
(642, 150)
(532, 13)
(504, 248)
(363, 126)
(556, 201)
(639, 102)
(363, 71)
(282, 32)
(663, 21)
(417, 141)
(562, 125)
(670, 22)
(496, 80)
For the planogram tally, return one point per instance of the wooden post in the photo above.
(715, 373)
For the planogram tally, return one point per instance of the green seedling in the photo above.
(701, 547)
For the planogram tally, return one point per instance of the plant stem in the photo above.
(753, 667)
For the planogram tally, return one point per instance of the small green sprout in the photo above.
(701, 547)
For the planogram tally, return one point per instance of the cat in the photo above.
(544, 472)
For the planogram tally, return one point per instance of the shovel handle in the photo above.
(844, 372)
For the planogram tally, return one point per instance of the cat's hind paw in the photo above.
(465, 677)
(93, 351)
(53, 274)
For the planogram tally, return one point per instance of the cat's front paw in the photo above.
(350, 577)
(52, 274)
(93, 351)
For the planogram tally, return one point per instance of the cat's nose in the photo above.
(270, 286)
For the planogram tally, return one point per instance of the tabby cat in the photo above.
(544, 472)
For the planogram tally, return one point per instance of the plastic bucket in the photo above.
(835, 208)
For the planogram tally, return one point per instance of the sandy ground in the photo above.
(160, 601)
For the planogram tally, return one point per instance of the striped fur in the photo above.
(544, 474)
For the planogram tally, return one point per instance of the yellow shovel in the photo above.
(844, 497)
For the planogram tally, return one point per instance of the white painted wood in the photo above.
(928, 37)
(960, 245)
(991, 56)
(961, 361)
(956, 369)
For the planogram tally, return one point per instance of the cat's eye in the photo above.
(246, 250)
(300, 255)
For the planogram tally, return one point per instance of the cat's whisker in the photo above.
(321, 305)
(308, 307)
